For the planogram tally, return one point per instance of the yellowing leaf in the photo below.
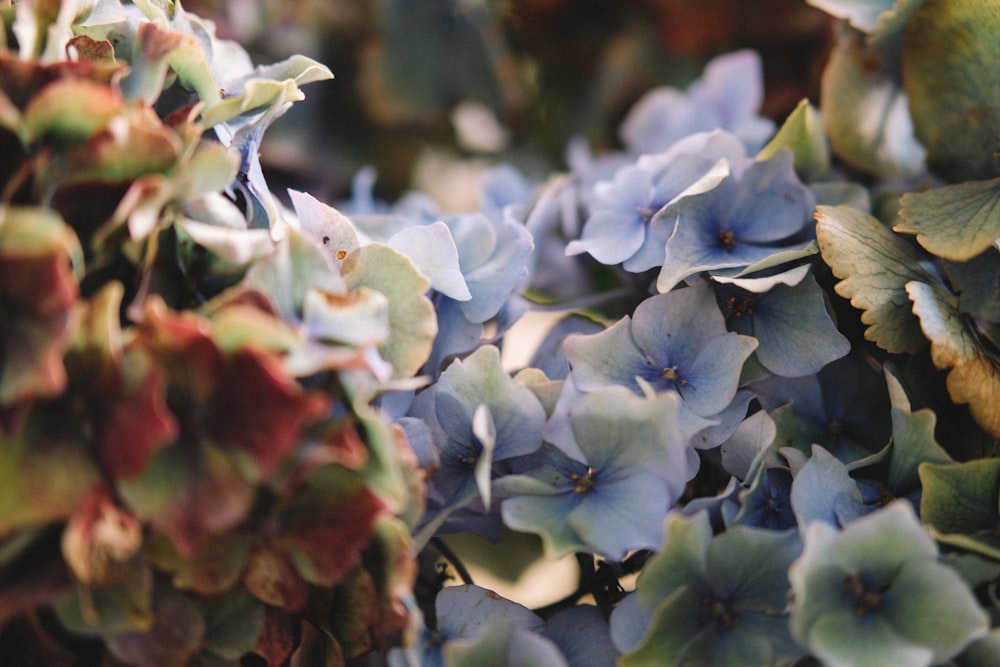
(975, 370)
(874, 266)
(950, 53)
(865, 109)
(956, 222)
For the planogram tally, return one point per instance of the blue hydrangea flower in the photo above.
(790, 321)
(767, 503)
(673, 342)
(844, 408)
(620, 229)
(751, 215)
(614, 497)
(728, 96)
(477, 415)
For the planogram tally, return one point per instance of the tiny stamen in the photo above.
(727, 239)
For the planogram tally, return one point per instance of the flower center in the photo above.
(727, 239)
(719, 612)
(740, 306)
(866, 597)
(584, 482)
(670, 375)
(469, 456)
(646, 214)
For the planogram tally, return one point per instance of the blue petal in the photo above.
(796, 333)
(616, 518)
(606, 358)
(610, 236)
(466, 611)
(772, 204)
(709, 382)
(673, 327)
(583, 635)
(821, 488)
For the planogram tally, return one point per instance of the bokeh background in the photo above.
(427, 90)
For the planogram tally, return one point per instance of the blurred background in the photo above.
(427, 91)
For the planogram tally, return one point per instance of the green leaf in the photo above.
(961, 497)
(977, 283)
(412, 320)
(974, 377)
(956, 222)
(913, 441)
(874, 266)
(865, 110)
(982, 543)
(949, 56)
(802, 133)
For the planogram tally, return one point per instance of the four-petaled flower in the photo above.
(673, 342)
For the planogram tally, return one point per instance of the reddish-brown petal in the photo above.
(271, 578)
(328, 524)
(181, 343)
(278, 638)
(259, 409)
(135, 426)
(37, 293)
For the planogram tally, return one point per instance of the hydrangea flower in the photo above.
(875, 593)
(673, 342)
(767, 502)
(843, 408)
(613, 498)
(621, 227)
(478, 415)
(728, 96)
(789, 318)
(705, 600)
(756, 212)
(239, 414)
